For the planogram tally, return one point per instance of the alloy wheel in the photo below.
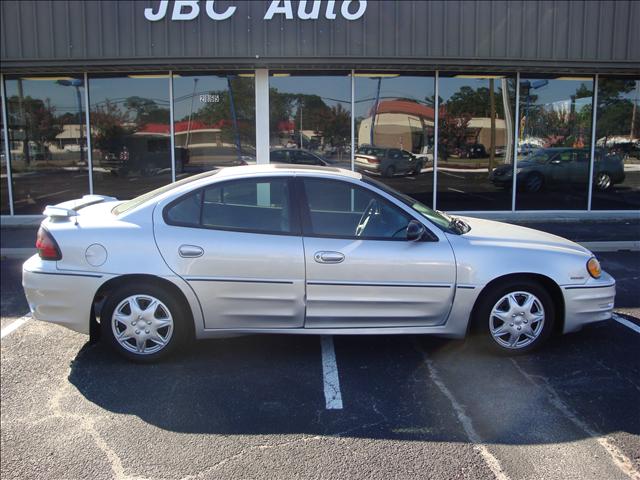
(516, 320)
(142, 324)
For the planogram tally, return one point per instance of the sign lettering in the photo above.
(184, 10)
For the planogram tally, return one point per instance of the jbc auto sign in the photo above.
(307, 10)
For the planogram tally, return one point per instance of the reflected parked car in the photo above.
(301, 250)
(387, 161)
(561, 167)
(296, 156)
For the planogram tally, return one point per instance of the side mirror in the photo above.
(415, 231)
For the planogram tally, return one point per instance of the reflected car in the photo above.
(559, 168)
(474, 150)
(387, 161)
(301, 250)
(296, 156)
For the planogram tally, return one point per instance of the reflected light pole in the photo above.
(77, 83)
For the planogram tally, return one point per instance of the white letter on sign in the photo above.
(275, 7)
(159, 15)
(180, 4)
(213, 15)
(313, 14)
(362, 6)
(329, 13)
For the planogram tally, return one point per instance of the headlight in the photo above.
(593, 267)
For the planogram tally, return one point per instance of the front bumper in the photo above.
(589, 303)
(57, 296)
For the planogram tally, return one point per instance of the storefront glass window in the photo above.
(47, 141)
(475, 145)
(4, 187)
(554, 143)
(310, 119)
(130, 134)
(215, 120)
(395, 131)
(616, 175)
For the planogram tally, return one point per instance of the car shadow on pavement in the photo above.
(270, 384)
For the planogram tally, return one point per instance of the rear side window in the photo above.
(251, 205)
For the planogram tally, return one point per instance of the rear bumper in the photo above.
(588, 303)
(59, 297)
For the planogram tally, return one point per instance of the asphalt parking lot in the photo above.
(256, 406)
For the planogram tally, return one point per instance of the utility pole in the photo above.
(492, 102)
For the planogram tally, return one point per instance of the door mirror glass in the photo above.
(415, 231)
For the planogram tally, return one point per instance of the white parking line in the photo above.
(625, 322)
(619, 459)
(332, 394)
(13, 326)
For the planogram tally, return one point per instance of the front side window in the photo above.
(342, 209)
(250, 205)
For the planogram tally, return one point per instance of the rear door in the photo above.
(238, 245)
(361, 270)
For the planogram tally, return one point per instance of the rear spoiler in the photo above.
(70, 209)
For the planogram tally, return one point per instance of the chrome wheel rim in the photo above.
(516, 320)
(603, 181)
(534, 183)
(142, 324)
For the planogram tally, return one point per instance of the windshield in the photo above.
(133, 203)
(441, 219)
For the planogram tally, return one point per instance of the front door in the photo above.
(361, 270)
(237, 244)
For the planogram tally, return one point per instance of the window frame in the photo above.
(305, 213)
(294, 218)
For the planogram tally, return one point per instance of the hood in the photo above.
(490, 232)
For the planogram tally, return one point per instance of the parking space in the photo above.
(257, 406)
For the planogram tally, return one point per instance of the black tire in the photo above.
(389, 171)
(534, 182)
(180, 329)
(483, 317)
(418, 168)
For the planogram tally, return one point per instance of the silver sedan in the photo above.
(301, 250)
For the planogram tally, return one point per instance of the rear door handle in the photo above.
(328, 257)
(190, 251)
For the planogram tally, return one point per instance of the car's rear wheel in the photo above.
(390, 171)
(143, 323)
(418, 168)
(534, 182)
(603, 181)
(516, 317)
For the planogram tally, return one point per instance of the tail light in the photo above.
(47, 247)
(374, 160)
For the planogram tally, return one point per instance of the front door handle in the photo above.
(328, 257)
(190, 251)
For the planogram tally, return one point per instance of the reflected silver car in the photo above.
(301, 250)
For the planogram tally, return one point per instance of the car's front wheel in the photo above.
(143, 323)
(516, 317)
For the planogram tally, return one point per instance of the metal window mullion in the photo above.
(87, 136)
(594, 115)
(171, 129)
(516, 138)
(436, 134)
(353, 120)
(5, 133)
(261, 88)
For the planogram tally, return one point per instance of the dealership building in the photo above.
(494, 108)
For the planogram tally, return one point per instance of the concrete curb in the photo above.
(633, 246)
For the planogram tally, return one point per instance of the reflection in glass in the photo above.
(475, 149)
(130, 134)
(310, 120)
(554, 143)
(47, 141)
(395, 130)
(214, 122)
(4, 187)
(616, 176)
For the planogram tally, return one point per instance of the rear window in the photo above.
(135, 202)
